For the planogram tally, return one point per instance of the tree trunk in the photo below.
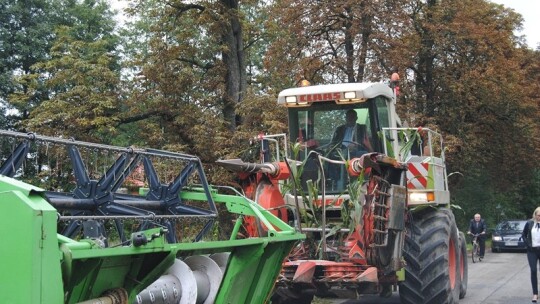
(233, 58)
(366, 30)
(424, 77)
(349, 46)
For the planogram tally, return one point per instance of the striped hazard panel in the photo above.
(417, 176)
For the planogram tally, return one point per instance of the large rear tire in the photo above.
(463, 266)
(432, 272)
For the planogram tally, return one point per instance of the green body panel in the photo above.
(30, 271)
(8, 184)
(46, 267)
(252, 272)
(239, 205)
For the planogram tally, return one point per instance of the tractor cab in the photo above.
(340, 122)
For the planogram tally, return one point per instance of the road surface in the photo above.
(501, 278)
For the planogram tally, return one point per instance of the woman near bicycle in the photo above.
(531, 236)
(477, 227)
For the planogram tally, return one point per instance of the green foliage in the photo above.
(530, 193)
(311, 206)
(26, 31)
(81, 86)
(352, 210)
(477, 195)
(71, 87)
(410, 138)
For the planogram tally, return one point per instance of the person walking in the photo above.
(477, 226)
(531, 237)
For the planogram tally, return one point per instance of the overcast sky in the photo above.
(530, 10)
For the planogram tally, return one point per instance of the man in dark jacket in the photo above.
(351, 135)
(477, 226)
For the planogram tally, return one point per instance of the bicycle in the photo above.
(475, 254)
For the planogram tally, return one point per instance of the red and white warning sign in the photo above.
(417, 175)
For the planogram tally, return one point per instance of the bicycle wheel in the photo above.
(474, 253)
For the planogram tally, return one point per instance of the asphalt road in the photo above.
(501, 278)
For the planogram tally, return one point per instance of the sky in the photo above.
(529, 10)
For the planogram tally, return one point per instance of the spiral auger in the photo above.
(193, 280)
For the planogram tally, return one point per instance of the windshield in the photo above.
(511, 226)
(337, 132)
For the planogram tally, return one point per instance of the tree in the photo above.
(83, 100)
(192, 75)
(464, 73)
(77, 84)
(470, 82)
(26, 32)
(332, 41)
(200, 76)
(467, 78)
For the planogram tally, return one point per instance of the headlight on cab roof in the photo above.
(349, 95)
(290, 99)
